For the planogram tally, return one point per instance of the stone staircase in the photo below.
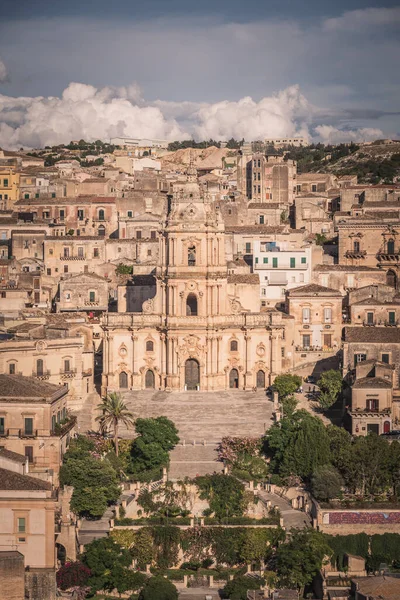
(203, 416)
(192, 460)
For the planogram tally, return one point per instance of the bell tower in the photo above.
(193, 269)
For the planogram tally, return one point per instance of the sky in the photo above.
(172, 70)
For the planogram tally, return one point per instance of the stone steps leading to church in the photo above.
(193, 460)
(204, 415)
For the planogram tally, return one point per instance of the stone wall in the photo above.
(11, 576)
(40, 584)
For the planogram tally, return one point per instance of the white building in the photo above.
(282, 267)
(139, 143)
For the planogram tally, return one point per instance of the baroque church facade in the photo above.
(200, 326)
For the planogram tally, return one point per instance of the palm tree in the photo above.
(114, 412)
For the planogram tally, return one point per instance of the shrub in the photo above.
(72, 574)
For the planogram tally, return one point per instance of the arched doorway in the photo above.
(192, 374)
(234, 379)
(61, 554)
(149, 380)
(191, 306)
(123, 380)
(391, 279)
(386, 427)
(260, 379)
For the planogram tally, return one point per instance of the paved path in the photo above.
(291, 517)
(94, 530)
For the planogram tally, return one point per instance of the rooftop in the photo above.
(251, 278)
(14, 456)
(369, 335)
(371, 382)
(313, 289)
(18, 388)
(381, 587)
(9, 480)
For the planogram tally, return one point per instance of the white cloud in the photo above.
(3, 71)
(359, 20)
(331, 135)
(276, 115)
(82, 112)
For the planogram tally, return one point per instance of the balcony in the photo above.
(355, 254)
(62, 257)
(70, 374)
(385, 257)
(41, 376)
(27, 434)
(4, 433)
(314, 349)
(93, 303)
(391, 323)
(63, 428)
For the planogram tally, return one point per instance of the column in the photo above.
(219, 338)
(275, 354)
(162, 358)
(134, 340)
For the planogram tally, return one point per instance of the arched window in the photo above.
(234, 346)
(191, 305)
(101, 231)
(39, 367)
(192, 256)
(149, 346)
(390, 246)
(123, 380)
(101, 214)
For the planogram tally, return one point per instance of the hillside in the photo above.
(210, 157)
(374, 163)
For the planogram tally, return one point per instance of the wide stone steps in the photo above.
(190, 461)
(203, 416)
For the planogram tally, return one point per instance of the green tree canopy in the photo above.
(236, 589)
(297, 445)
(158, 588)
(105, 559)
(149, 451)
(286, 384)
(301, 557)
(326, 482)
(330, 384)
(225, 494)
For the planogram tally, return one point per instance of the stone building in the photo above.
(35, 423)
(312, 212)
(315, 183)
(201, 328)
(266, 178)
(84, 215)
(58, 352)
(372, 409)
(346, 278)
(317, 313)
(379, 343)
(27, 533)
(83, 292)
(371, 239)
(73, 254)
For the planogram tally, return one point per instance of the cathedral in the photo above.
(200, 325)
